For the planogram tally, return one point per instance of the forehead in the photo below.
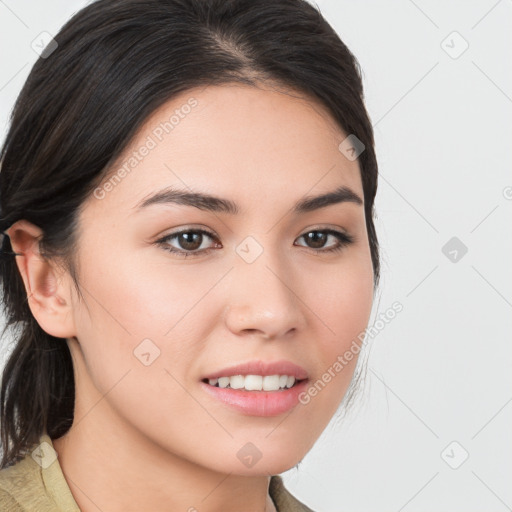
(238, 141)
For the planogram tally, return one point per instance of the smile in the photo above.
(254, 402)
(254, 382)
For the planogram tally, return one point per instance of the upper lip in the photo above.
(263, 368)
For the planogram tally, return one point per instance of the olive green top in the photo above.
(36, 484)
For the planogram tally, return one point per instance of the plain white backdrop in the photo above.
(431, 430)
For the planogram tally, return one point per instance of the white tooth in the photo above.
(237, 381)
(271, 383)
(282, 381)
(290, 382)
(253, 382)
(212, 382)
(223, 382)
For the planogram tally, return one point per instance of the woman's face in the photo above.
(260, 287)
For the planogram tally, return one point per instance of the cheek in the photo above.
(135, 309)
(141, 297)
(341, 296)
(342, 304)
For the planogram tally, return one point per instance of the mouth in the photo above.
(257, 388)
(255, 382)
(262, 402)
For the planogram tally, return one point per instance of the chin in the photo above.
(268, 460)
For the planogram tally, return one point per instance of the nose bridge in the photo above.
(261, 293)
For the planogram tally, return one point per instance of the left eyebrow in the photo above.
(212, 203)
(340, 195)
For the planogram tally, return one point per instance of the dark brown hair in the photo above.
(116, 62)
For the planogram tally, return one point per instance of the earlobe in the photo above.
(47, 295)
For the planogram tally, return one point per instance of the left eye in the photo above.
(191, 241)
(318, 238)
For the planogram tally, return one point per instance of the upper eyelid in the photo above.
(213, 234)
(189, 230)
(329, 230)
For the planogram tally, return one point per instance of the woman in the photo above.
(187, 192)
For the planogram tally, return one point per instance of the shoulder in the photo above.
(8, 503)
(22, 487)
(17, 483)
(283, 499)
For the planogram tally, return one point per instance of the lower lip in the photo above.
(258, 403)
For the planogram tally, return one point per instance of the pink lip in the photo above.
(258, 403)
(261, 368)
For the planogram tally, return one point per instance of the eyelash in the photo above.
(344, 239)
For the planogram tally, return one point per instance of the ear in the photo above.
(47, 285)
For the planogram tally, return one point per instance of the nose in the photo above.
(263, 301)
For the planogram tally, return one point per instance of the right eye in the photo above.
(190, 242)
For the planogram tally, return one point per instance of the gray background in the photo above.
(438, 387)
